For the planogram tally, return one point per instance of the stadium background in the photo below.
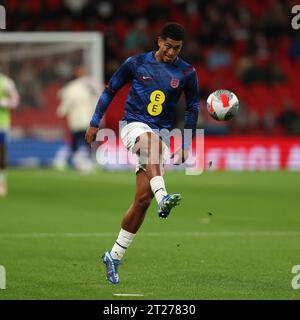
(236, 234)
(248, 47)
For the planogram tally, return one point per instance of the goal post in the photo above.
(41, 64)
(90, 42)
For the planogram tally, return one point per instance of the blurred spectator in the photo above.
(269, 121)
(193, 53)
(206, 35)
(252, 71)
(289, 119)
(157, 10)
(29, 85)
(275, 20)
(78, 100)
(218, 57)
(294, 48)
(246, 121)
(253, 122)
(136, 39)
(112, 52)
(106, 10)
(75, 6)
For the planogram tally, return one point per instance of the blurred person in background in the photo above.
(269, 121)
(137, 38)
(9, 99)
(77, 100)
(289, 119)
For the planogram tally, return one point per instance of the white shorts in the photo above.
(130, 133)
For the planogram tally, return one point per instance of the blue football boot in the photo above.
(112, 266)
(168, 202)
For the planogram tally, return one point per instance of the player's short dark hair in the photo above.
(173, 30)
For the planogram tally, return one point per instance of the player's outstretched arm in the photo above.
(90, 134)
(118, 80)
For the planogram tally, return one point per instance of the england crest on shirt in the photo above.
(174, 83)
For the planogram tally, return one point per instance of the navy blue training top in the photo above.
(155, 90)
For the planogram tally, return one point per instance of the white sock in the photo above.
(158, 188)
(122, 243)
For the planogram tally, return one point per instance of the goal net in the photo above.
(40, 63)
(36, 59)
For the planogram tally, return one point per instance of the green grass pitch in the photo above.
(234, 236)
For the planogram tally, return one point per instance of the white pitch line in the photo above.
(128, 295)
(154, 234)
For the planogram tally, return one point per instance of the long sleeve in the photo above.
(117, 81)
(191, 91)
(65, 102)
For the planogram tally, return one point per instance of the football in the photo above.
(222, 105)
